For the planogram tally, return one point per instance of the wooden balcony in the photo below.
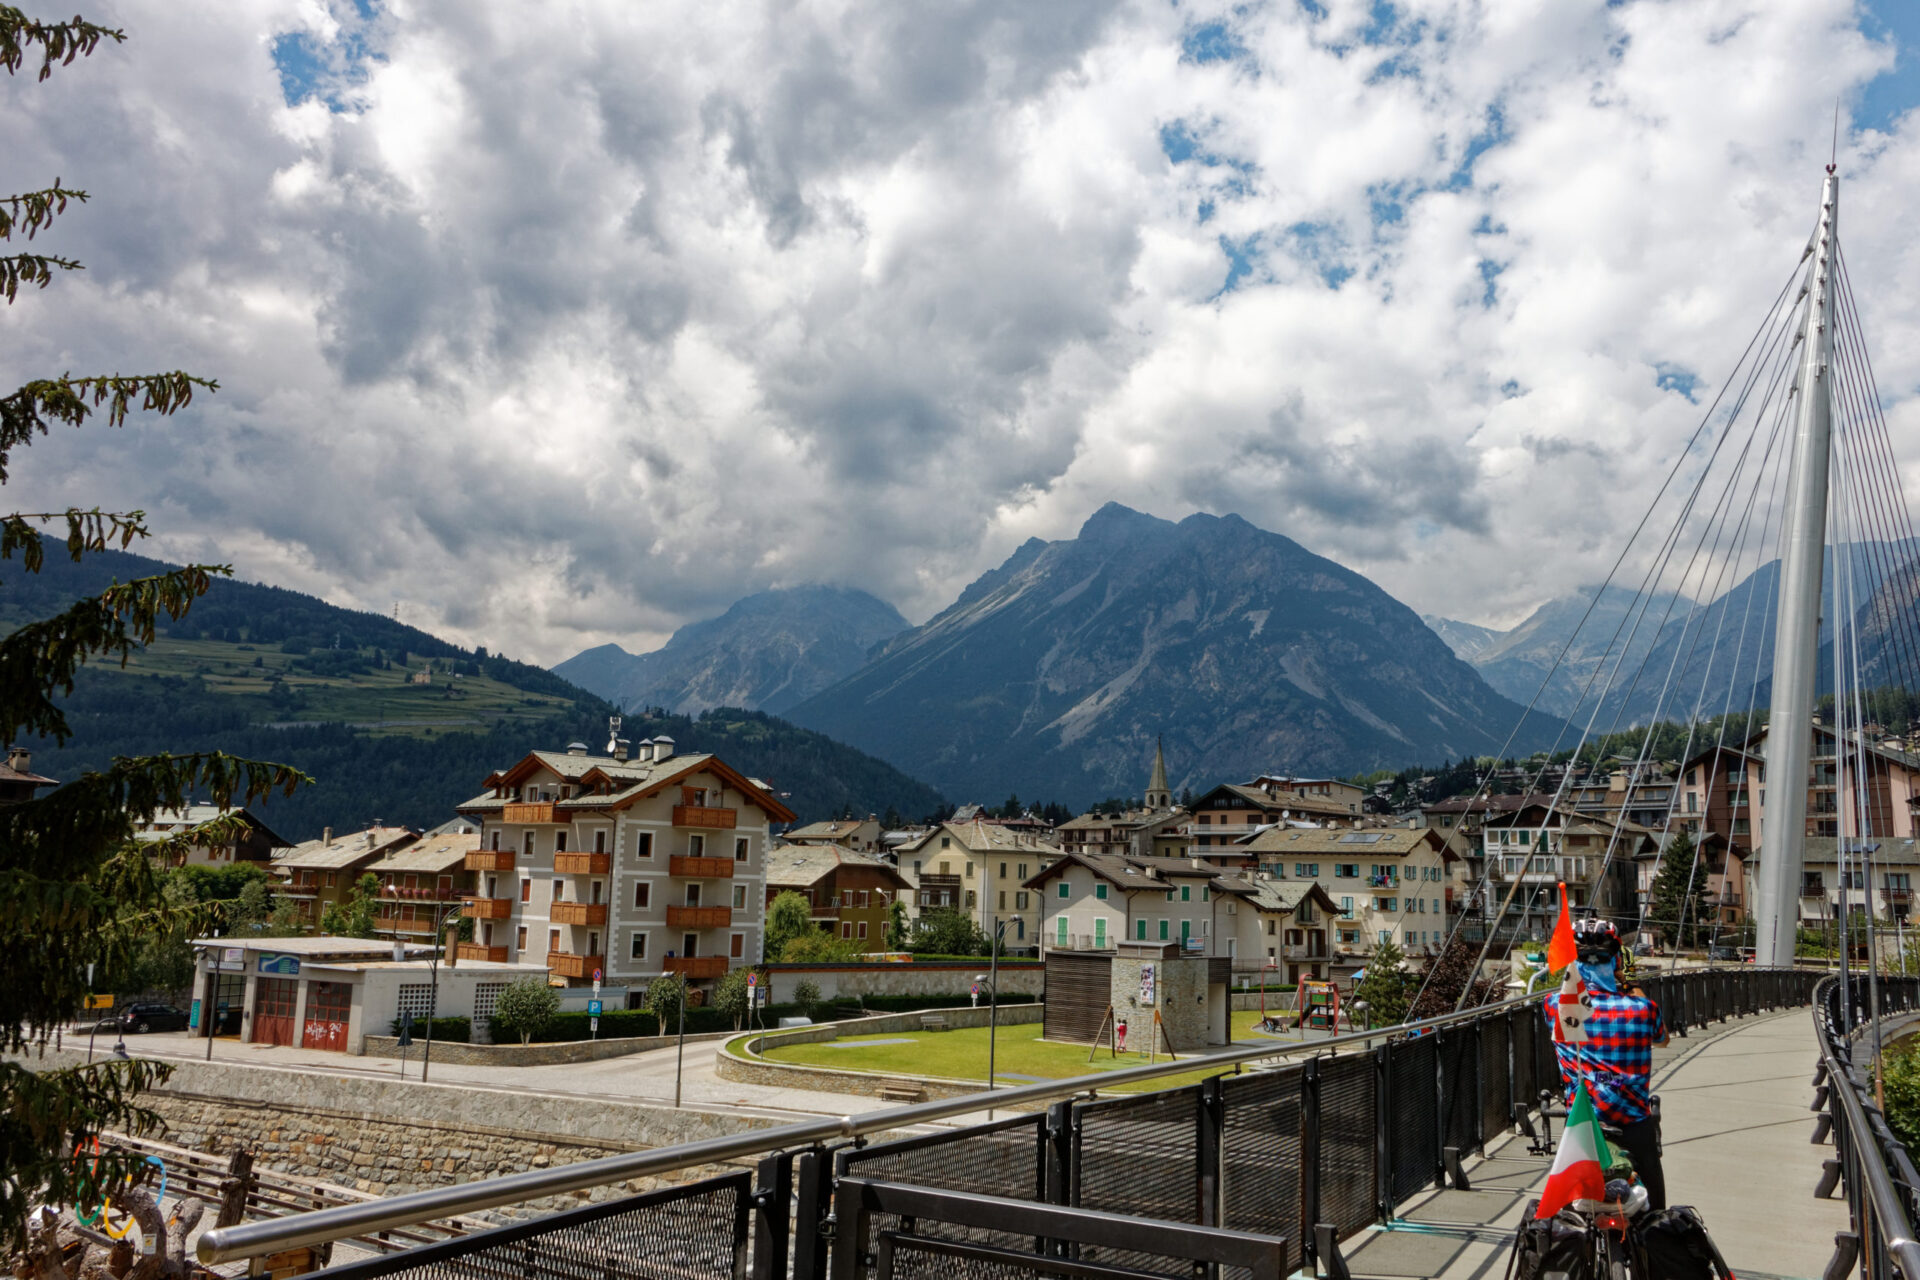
(490, 860)
(523, 812)
(487, 908)
(565, 964)
(699, 917)
(582, 864)
(701, 868)
(480, 951)
(695, 968)
(690, 815)
(594, 913)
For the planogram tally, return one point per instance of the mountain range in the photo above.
(1683, 658)
(769, 651)
(1054, 675)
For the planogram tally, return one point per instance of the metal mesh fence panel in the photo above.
(917, 1258)
(1349, 1189)
(1526, 1076)
(1413, 1134)
(682, 1233)
(1459, 1087)
(1496, 1082)
(1139, 1156)
(1001, 1159)
(1261, 1149)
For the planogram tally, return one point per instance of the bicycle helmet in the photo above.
(1598, 941)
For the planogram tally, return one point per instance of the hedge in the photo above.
(615, 1024)
(445, 1030)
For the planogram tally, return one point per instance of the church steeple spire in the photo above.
(1158, 796)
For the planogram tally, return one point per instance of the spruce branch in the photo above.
(65, 399)
(30, 212)
(89, 529)
(60, 42)
(31, 269)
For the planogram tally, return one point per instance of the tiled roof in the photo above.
(343, 851)
(432, 854)
(167, 822)
(1369, 842)
(796, 866)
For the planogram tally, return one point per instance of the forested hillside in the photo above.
(274, 674)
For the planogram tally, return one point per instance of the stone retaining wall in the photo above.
(746, 1067)
(929, 978)
(531, 1055)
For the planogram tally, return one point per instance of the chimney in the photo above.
(326, 835)
(662, 748)
(620, 748)
(645, 752)
(19, 759)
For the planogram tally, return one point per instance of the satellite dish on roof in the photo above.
(613, 734)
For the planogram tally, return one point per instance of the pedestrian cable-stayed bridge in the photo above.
(1401, 1152)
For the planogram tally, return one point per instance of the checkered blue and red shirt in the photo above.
(1617, 1059)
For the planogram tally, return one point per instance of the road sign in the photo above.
(593, 1025)
(596, 977)
(593, 1008)
(753, 979)
(406, 1031)
(100, 1002)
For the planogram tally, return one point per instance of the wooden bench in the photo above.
(902, 1091)
(932, 1022)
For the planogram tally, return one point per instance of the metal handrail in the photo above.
(226, 1244)
(1890, 1211)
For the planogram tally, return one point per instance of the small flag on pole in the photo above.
(1580, 1165)
(1561, 949)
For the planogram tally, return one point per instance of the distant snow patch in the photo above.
(1258, 617)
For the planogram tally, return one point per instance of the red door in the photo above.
(329, 1006)
(273, 1010)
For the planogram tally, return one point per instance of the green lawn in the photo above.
(961, 1054)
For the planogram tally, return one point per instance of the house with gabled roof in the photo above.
(851, 895)
(979, 868)
(1093, 902)
(1390, 883)
(621, 867)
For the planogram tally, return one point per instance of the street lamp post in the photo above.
(433, 989)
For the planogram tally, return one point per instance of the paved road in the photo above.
(1734, 1114)
(641, 1077)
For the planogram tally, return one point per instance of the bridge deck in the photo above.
(1734, 1113)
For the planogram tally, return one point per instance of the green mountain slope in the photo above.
(275, 674)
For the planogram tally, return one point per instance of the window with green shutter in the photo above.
(1100, 932)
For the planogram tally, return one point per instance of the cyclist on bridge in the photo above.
(1616, 1058)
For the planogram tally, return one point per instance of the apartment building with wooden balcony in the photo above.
(851, 894)
(631, 865)
(425, 883)
(254, 841)
(318, 872)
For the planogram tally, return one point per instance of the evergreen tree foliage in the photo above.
(526, 1008)
(1678, 906)
(72, 877)
(1385, 986)
(1446, 977)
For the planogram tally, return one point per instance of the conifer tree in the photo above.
(1678, 904)
(77, 893)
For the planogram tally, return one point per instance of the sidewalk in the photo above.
(1734, 1113)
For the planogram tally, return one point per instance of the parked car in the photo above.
(153, 1017)
(1723, 953)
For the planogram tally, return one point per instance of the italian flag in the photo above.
(1580, 1165)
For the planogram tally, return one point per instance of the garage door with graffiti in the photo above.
(329, 1006)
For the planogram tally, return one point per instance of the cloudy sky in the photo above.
(575, 321)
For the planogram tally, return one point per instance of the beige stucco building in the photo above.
(632, 866)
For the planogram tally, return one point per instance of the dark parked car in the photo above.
(153, 1017)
